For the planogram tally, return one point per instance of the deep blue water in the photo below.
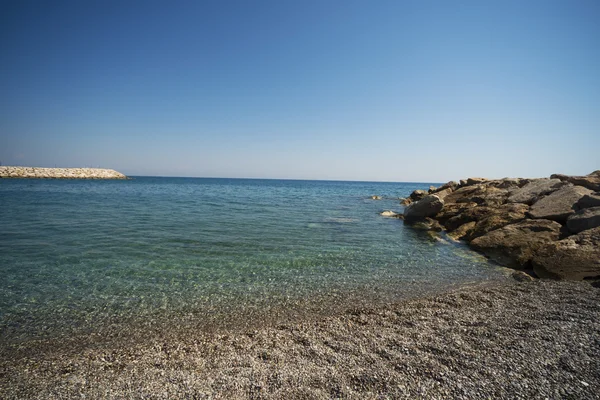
(77, 254)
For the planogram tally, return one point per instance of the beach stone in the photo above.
(558, 205)
(585, 219)
(589, 200)
(428, 206)
(514, 245)
(534, 190)
(574, 258)
(590, 181)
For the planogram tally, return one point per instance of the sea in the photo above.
(84, 256)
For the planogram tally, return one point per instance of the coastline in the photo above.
(527, 340)
(58, 173)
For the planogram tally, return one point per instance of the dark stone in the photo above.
(428, 206)
(582, 220)
(587, 201)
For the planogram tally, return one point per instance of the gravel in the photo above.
(514, 340)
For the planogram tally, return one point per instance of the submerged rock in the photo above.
(375, 197)
(388, 213)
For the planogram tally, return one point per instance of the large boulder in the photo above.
(452, 210)
(417, 195)
(515, 245)
(558, 205)
(428, 206)
(534, 190)
(574, 258)
(589, 200)
(497, 218)
(480, 194)
(582, 220)
(591, 181)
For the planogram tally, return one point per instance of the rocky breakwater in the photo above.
(549, 227)
(60, 173)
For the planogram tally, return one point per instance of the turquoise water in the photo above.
(76, 255)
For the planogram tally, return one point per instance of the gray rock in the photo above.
(558, 205)
(515, 245)
(591, 181)
(589, 200)
(534, 190)
(480, 194)
(582, 220)
(450, 185)
(574, 258)
(428, 206)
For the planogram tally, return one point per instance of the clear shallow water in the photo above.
(76, 255)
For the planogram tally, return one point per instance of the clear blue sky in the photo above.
(329, 89)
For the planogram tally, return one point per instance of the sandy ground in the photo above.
(512, 340)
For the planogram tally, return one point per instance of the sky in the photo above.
(420, 90)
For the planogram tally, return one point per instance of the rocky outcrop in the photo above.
(558, 205)
(576, 257)
(588, 218)
(428, 206)
(516, 244)
(534, 190)
(60, 173)
(521, 223)
(591, 181)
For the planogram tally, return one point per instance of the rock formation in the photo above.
(549, 227)
(60, 173)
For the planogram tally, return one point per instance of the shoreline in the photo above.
(533, 340)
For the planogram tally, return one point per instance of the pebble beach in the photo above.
(538, 339)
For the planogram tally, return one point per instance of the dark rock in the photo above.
(591, 181)
(574, 258)
(462, 231)
(582, 220)
(451, 210)
(521, 276)
(497, 218)
(558, 205)
(428, 206)
(417, 195)
(534, 190)
(515, 245)
(589, 200)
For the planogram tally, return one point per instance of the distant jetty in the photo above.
(59, 173)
